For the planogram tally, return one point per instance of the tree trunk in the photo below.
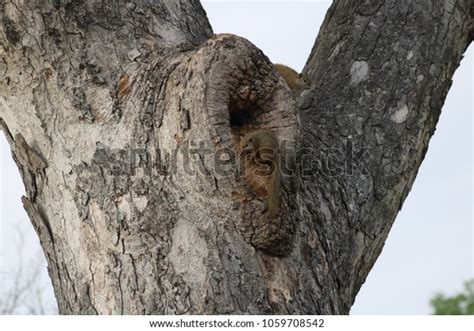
(125, 118)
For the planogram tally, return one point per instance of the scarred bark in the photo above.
(124, 119)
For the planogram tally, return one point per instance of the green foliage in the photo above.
(459, 304)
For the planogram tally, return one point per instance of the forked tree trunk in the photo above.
(124, 118)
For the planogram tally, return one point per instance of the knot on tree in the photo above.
(231, 89)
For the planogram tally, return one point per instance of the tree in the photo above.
(23, 290)
(124, 118)
(459, 304)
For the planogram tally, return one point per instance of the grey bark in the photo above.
(124, 119)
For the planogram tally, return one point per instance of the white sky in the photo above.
(430, 247)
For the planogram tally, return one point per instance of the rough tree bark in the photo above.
(124, 119)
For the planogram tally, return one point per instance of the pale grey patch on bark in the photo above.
(359, 72)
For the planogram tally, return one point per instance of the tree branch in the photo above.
(390, 64)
